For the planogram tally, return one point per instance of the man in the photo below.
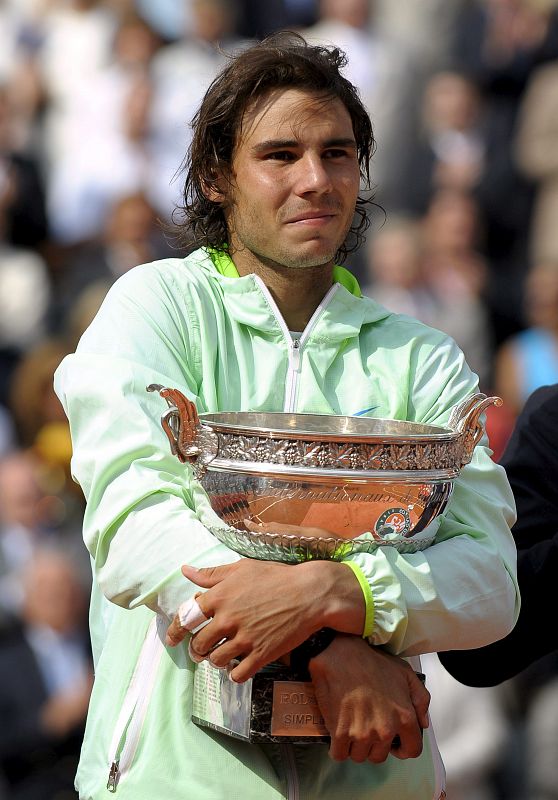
(45, 680)
(532, 468)
(260, 318)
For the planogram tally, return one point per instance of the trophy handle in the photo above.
(465, 420)
(189, 440)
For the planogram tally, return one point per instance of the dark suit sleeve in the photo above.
(22, 695)
(531, 461)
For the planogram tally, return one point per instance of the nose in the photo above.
(312, 175)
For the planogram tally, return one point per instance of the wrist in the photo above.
(339, 597)
(367, 595)
(301, 656)
(343, 646)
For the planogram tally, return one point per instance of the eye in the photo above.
(280, 155)
(337, 153)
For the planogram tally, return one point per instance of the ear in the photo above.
(213, 193)
(215, 189)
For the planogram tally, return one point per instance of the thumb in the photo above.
(206, 577)
(420, 698)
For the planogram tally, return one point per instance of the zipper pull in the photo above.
(114, 774)
(295, 355)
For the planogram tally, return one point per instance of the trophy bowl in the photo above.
(292, 487)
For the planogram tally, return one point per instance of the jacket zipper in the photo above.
(293, 371)
(295, 346)
(134, 708)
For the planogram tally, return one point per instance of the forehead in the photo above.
(293, 114)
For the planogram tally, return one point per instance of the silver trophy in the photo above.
(294, 487)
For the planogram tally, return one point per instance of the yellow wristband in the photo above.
(368, 597)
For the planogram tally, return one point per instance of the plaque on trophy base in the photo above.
(270, 707)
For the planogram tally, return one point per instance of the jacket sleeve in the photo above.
(532, 466)
(139, 524)
(462, 590)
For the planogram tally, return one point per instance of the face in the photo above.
(541, 297)
(53, 596)
(295, 179)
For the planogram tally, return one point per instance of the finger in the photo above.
(188, 617)
(266, 527)
(206, 639)
(359, 750)
(197, 659)
(379, 751)
(190, 614)
(272, 527)
(254, 526)
(224, 653)
(247, 668)
(339, 747)
(208, 576)
(175, 632)
(408, 744)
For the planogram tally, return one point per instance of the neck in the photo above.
(297, 291)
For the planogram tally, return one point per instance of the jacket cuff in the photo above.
(368, 597)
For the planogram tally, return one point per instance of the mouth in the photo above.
(312, 218)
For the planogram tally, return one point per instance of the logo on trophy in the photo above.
(274, 483)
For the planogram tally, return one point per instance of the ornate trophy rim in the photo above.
(333, 427)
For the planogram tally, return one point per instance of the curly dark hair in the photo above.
(284, 60)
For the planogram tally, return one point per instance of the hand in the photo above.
(65, 710)
(368, 698)
(260, 610)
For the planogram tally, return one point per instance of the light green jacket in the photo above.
(223, 342)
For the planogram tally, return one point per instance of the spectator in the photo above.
(455, 272)
(33, 402)
(45, 683)
(385, 76)
(24, 520)
(426, 29)
(396, 279)
(432, 271)
(499, 44)
(182, 71)
(25, 223)
(256, 19)
(450, 151)
(107, 152)
(537, 157)
(529, 359)
(132, 235)
(75, 40)
(24, 286)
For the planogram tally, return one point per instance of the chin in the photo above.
(304, 260)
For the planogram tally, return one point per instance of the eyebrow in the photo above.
(278, 144)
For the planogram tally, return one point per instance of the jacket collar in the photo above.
(246, 302)
(224, 264)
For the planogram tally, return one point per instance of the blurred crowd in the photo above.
(95, 102)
